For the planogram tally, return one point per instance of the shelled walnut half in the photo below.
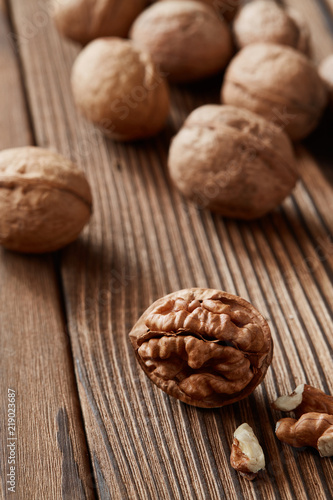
(206, 347)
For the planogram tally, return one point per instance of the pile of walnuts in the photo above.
(236, 158)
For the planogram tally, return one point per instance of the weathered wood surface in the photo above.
(145, 241)
(46, 444)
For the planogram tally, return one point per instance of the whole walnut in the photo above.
(117, 87)
(206, 347)
(85, 20)
(45, 200)
(232, 162)
(186, 39)
(326, 74)
(279, 83)
(265, 21)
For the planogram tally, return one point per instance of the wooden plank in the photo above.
(144, 241)
(47, 441)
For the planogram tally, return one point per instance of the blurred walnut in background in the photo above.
(279, 83)
(265, 21)
(117, 87)
(185, 38)
(85, 20)
(232, 162)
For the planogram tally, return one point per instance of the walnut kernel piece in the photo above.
(205, 347)
(305, 399)
(312, 429)
(247, 456)
(45, 200)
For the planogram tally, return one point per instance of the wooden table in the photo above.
(89, 424)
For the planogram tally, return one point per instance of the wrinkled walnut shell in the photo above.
(262, 21)
(117, 87)
(85, 20)
(206, 347)
(278, 83)
(232, 162)
(185, 39)
(45, 200)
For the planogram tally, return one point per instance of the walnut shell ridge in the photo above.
(278, 83)
(186, 39)
(232, 162)
(117, 87)
(205, 347)
(85, 20)
(45, 200)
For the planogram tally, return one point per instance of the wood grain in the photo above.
(145, 241)
(50, 446)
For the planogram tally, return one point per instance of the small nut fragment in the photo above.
(205, 347)
(117, 87)
(279, 83)
(305, 399)
(45, 200)
(232, 162)
(263, 21)
(85, 20)
(312, 429)
(247, 456)
(326, 74)
(186, 39)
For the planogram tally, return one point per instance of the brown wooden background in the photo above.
(89, 423)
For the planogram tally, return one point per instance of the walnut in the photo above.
(186, 39)
(85, 20)
(326, 74)
(205, 347)
(117, 87)
(312, 429)
(278, 83)
(305, 399)
(232, 161)
(263, 21)
(247, 456)
(45, 200)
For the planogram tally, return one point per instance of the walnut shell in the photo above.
(278, 83)
(232, 161)
(45, 200)
(206, 347)
(263, 21)
(326, 74)
(85, 20)
(186, 39)
(117, 87)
